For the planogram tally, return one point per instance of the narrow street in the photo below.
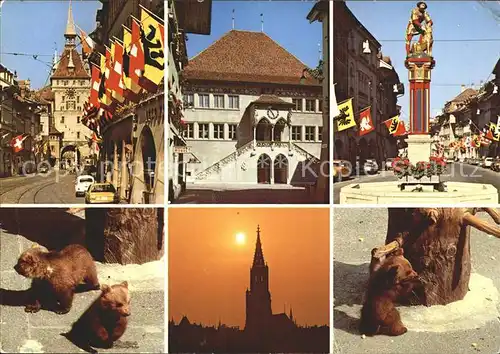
(39, 189)
(456, 172)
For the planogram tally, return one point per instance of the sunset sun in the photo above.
(240, 238)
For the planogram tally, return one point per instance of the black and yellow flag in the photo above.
(152, 38)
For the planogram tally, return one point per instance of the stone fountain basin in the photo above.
(390, 193)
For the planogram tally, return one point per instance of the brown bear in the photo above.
(393, 278)
(104, 321)
(56, 275)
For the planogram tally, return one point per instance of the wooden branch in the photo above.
(495, 215)
(474, 221)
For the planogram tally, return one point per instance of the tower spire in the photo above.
(70, 25)
(258, 258)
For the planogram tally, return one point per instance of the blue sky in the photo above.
(32, 27)
(284, 22)
(456, 62)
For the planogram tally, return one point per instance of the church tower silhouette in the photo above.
(258, 297)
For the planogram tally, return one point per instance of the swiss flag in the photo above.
(17, 143)
(116, 71)
(94, 86)
(365, 122)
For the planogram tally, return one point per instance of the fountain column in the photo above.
(419, 74)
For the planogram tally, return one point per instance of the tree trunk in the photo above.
(438, 248)
(125, 235)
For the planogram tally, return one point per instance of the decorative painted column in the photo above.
(419, 74)
(123, 173)
(115, 165)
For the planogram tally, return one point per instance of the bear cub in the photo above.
(56, 275)
(105, 321)
(390, 280)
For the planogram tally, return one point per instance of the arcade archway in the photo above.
(264, 169)
(263, 132)
(279, 130)
(280, 169)
(70, 157)
(148, 149)
(339, 149)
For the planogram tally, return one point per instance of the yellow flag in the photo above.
(104, 92)
(154, 57)
(346, 118)
(130, 84)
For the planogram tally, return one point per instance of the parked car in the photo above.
(488, 162)
(101, 193)
(495, 165)
(82, 184)
(388, 163)
(370, 166)
(340, 169)
(44, 167)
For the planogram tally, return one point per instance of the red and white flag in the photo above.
(88, 44)
(17, 142)
(365, 122)
(94, 87)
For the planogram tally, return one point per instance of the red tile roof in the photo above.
(62, 71)
(249, 57)
(272, 99)
(45, 94)
(463, 96)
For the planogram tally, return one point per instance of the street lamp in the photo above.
(316, 73)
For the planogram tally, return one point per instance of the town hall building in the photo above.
(251, 115)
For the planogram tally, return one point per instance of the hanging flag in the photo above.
(104, 89)
(94, 87)
(88, 44)
(475, 142)
(335, 107)
(115, 75)
(392, 124)
(401, 129)
(365, 122)
(345, 120)
(492, 132)
(17, 142)
(136, 52)
(152, 38)
(130, 77)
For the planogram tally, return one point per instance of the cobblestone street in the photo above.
(242, 194)
(39, 189)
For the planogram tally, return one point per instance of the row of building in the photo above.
(466, 116)
(244, 110)
(20, 116)
(363, 73)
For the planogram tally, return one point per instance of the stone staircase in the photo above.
(251, 145)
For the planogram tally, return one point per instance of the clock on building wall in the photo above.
(70, 93)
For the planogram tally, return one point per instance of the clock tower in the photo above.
(70, 83)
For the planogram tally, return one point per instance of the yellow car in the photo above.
(101, 193)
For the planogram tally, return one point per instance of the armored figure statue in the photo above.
(415, 27)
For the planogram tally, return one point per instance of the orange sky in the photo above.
(209, 273)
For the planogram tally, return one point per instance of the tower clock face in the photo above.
(70, 93)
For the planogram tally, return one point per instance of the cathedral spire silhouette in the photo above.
(258, 258)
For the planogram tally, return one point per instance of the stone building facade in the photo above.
(20, 112)
(249, 123)
(132, 154)
(184, 18)
(70, 86)
(369, 78)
